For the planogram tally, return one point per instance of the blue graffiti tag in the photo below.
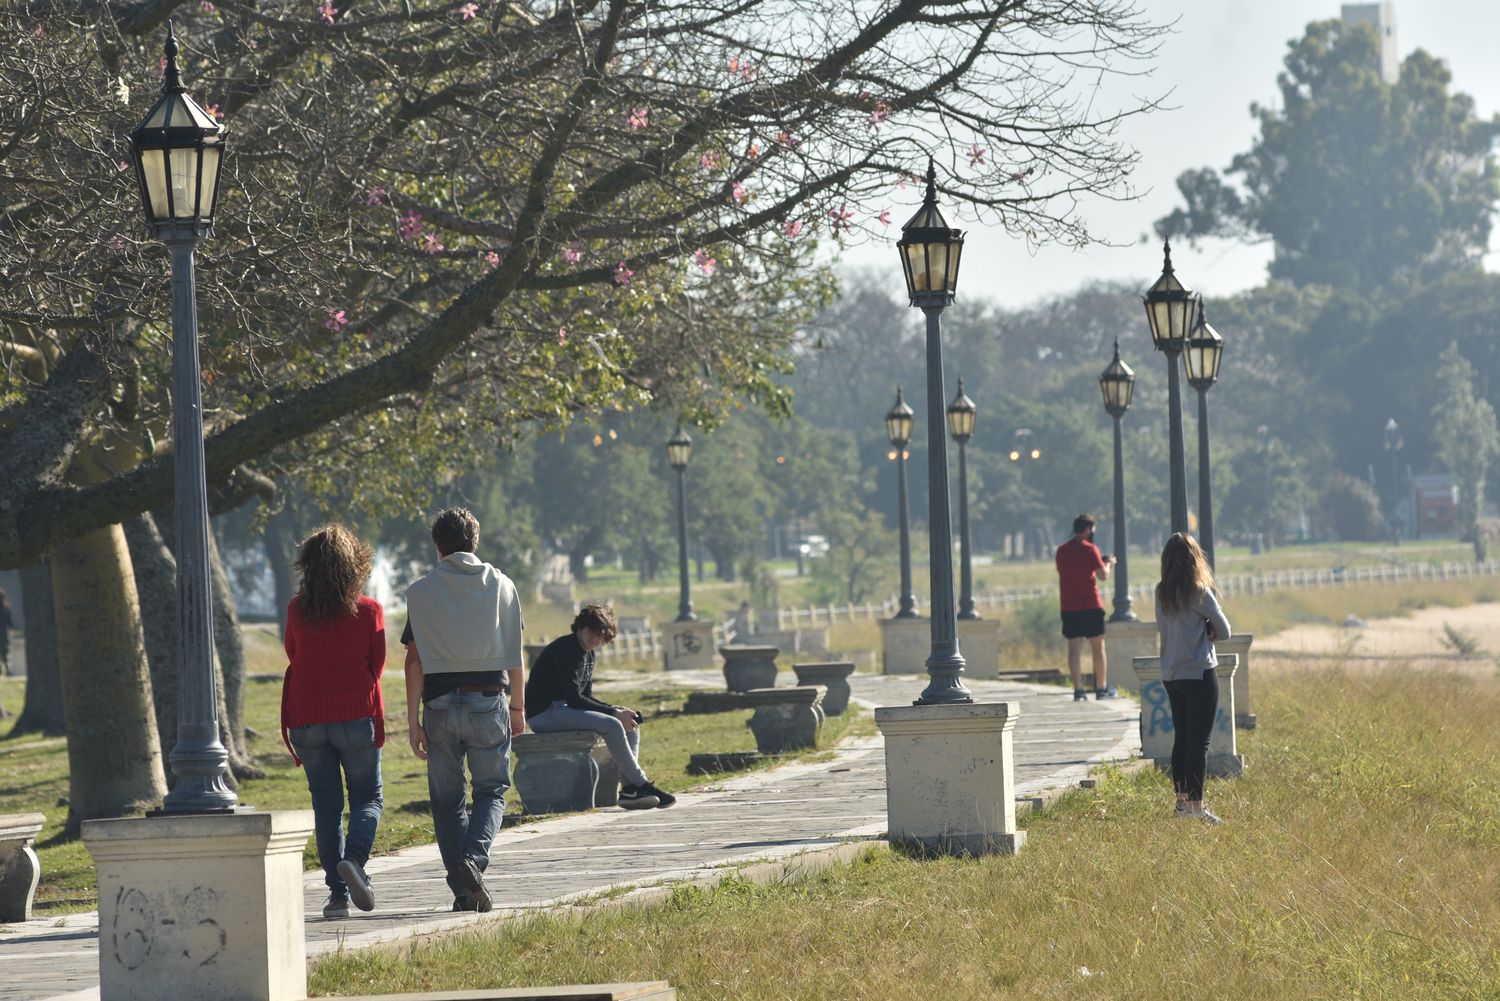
(1160, 718)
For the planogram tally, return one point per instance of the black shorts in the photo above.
(1083, 625)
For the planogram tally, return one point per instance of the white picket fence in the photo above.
(650, 645)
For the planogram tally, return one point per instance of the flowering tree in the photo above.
(444, 223)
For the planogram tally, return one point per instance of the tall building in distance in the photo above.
(1381, 17)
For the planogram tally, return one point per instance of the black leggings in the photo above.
(1194, 706)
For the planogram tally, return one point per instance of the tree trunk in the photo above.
(229, 643)
(42, 710)
(280, 541)
(114, 757)
(156, 586)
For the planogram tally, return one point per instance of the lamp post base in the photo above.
(946, 688)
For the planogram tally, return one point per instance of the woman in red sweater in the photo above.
(331, 707)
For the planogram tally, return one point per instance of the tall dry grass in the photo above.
(1359, 861)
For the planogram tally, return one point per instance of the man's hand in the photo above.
(626, 716)
(417, 737)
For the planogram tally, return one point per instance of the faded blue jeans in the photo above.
(624, 747)
(475, 728)
(335, 754)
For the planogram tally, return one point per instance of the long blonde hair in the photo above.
(333, 564)
(1185, 574)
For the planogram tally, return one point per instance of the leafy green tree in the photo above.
(1267, 492)
(1356, 180)
(1352, 509)
(1466, 435)
(862, 551)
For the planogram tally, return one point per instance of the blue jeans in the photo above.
(624, 747)
(475, 728)
(334, 754)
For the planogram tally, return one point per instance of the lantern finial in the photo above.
(931, 182)
(172, 80)
(1166, 256)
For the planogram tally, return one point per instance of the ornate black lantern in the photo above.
(930, 251)
(1204, 351)
(679, 449)
(898, 422)
(961, 415)
(1117, 383)
(1169, 307)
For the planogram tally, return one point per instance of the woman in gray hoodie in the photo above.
(1188, 620)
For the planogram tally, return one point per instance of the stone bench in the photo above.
(1239, 645)
(749, 665)
(564, 772)
(19, 869)
(786, 719)
(833, 676)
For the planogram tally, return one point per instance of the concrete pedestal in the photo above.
(950, 777)
(556, 772)
(690, 645)
(905, 645)
(979, 642)
(1123, 643)
(19, 869)
(748, 666)
(834, 677)
(786, 719)
(1239, 645)
(201, 906)
(1157, 734)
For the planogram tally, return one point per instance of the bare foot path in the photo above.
(541, 866)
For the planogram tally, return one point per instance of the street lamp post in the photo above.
(679, 452)
(898, 424)
(961, 416)
(1205, 349)
(1117, 383)
(178, 149)
(1169, 310)
(930, 251)
(1394, 442)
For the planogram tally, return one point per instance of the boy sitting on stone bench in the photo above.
(560, 696)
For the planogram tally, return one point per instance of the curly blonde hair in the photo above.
(1185, 573)
(334, 565)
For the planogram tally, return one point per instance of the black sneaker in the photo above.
(360, 890)
(462, 903)
(637, 797)
(473, 882)
(1079, 695)
(336, 906)
(1106, 693)
(663, 799)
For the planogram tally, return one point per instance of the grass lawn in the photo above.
(36, 772)
(1358, 861)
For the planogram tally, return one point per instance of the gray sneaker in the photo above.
(473, 884)
(336, 906)
(360, 890)
(1207, 816)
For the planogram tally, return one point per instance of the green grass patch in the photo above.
(1358, 861)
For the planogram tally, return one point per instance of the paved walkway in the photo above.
(764, 815)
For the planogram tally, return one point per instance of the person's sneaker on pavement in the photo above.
(637, 797)
(1079, 695)
(336, 906)
(473, 884)
(462, 903)
(663, 799)
(360, 890)
(1106, 693)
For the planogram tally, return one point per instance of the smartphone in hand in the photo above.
(638, 717)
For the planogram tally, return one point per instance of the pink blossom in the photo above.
(328, 12)
(839, 218)
(977, 155)
(753, 151)
(562, 335)
(337, 320)
(705, 263)
(431, 243)
(639, 118)
(39, 32)
(161, 67)
(793, 229)
(117, 243)
(877, 118)
(492, 259)
(1020, 175)
(411, 225)
(468, 10)
(908, 179)
(737, 192)
(734, 66)
(374, 196)
(709, 160)
(213, 109)
(207, 7)
(123, 165)
(785, 138)
(573, 253)
(884, 218)
(623, 274)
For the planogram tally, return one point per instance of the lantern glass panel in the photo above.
(955, 250)
(154, 172)
(898, 427)
(209, 195)
(184, 182)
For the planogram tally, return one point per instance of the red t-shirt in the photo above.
(1077, 559)
(334, 668)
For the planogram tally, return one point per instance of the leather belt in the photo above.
(479, 689)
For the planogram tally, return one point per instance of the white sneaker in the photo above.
(1207, 816)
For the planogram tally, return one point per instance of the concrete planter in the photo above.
(1239, 645)
(950, 777)
(748, 666)
(19, 869)
(689, 645)
(1157, 732)
(556, 772)
(905, 645)
(979, 642)
(833, 676)
(1123, 643)
(786, 719)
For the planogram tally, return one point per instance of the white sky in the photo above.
(1223, 55)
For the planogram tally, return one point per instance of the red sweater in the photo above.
(334, 668)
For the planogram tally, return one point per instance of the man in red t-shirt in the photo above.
(1080, 568)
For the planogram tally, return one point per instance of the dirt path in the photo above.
(1418, 636)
